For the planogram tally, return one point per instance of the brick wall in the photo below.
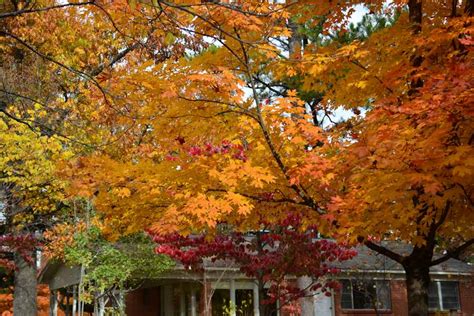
(399, 297)
(466, 297)
(399, 301)
(146, 302)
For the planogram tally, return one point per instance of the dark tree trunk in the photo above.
(314, 110)
(469, 8)
(417, 283)
(295, 41)
(415, 14)
(415, 8)
(417, 270)
(24, 296)
(417, 264)
(454, 6)
(417, 273)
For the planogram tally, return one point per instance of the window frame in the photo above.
(375, 281)
(439, 294)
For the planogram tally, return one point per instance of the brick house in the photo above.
(371, 285)
(371, 277)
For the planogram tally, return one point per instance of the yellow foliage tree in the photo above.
(210, 112)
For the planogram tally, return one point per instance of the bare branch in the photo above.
(54, 61)
(454, 253)
(59, 6)
(358, 64)
(266, 134)
(262, 199)
(243, 111)
(114, 59)
(384, 251)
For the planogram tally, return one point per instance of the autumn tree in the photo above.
(205, 138)
(30, 192)
(409, 165)
(208, 116)
(108, 270)
(57, 61)
(268, 255)
(46, 65)
(399, 176)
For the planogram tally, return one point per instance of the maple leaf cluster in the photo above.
(23, 246)
(279, 250)
(237, 151)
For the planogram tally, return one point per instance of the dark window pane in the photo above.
(244, 302)
(346, 296)
(270, 309)
(364, 294)
(220, 302)
(433, 297)
(450, 293)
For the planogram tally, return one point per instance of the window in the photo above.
(220, 302)
(365, 294)
(444, 295)
(244, 302)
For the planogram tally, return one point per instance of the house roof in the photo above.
(58, 275)
(369, 260)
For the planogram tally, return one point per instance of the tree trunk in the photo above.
(417, 283)
(454, 6)
(415, 14)
(415, 8)
(295, 41)
(469, 8)
(24, 297)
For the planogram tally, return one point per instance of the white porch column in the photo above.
(182, 301)
(256, 300)
(193, 303)
(101, 306)
(74, 301)
(232, 297)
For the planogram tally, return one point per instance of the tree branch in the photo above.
(384, 251)
(59, 6)
(266, 134)
(54, 61)
(262, 199)
(114, 59)
(454, 253)
(243, 110)
(358, 64)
